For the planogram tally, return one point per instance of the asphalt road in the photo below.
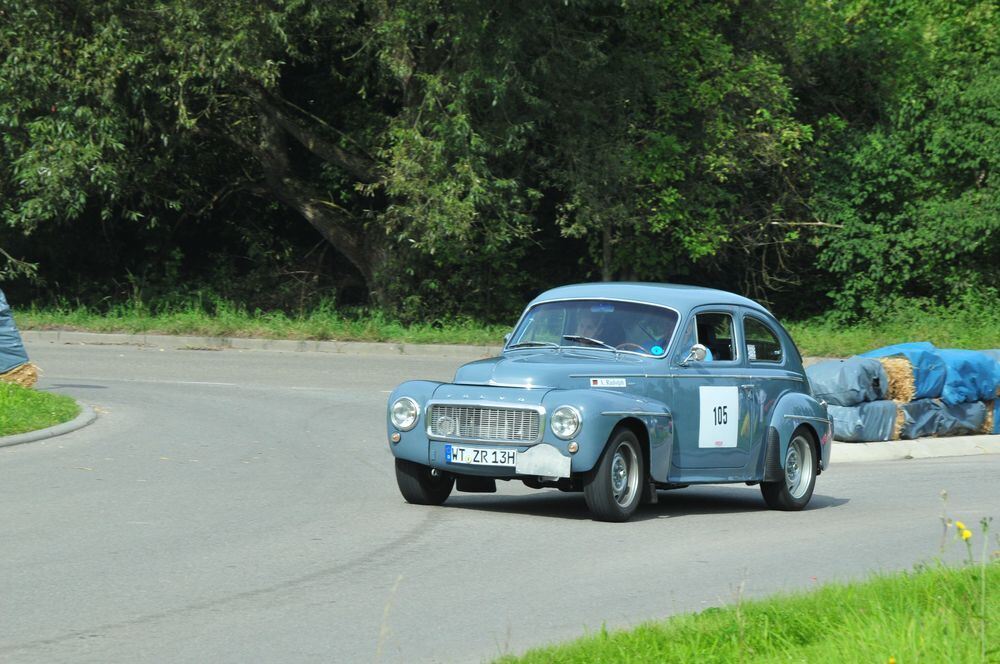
(234, 506)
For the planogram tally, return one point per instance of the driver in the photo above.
(601, 326)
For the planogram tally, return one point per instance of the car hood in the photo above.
(548, 369)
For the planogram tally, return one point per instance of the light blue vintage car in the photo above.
(617, 390)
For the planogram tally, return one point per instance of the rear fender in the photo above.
(793, 410)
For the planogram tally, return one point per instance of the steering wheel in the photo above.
(628, 345)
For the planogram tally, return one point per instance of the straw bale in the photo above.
(988, 422)
(902, 385)
(25, 375)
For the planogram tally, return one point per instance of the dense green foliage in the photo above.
(933, 615)
(432, 158)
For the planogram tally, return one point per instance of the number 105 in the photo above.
(721, 415)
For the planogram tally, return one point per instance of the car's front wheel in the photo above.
(794, 490)
(614, 487)
(422, 486)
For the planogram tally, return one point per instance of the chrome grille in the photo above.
(484, 423)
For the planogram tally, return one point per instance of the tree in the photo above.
(907, 182)
(346, 113)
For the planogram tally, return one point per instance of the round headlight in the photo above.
(565, 421)
(404, 413)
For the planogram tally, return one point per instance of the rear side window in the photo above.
(762, 342)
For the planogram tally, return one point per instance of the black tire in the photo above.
(793, 491)
(613, 489)
(419, 486)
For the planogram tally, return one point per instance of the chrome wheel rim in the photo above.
(624, 475)
(798, 466)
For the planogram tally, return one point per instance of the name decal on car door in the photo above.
(607, 382)
(720, 411)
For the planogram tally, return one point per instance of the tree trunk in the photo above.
(345, 233)
(607, 273)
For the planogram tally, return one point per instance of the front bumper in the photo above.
(540, 460)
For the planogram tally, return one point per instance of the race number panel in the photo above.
(719, 413)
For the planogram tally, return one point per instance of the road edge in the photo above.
(179, 342)
(921, 448)
(86, 416)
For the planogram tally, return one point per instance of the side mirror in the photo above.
(506, 338)
(698, 353)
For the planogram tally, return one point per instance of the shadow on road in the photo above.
(76, 385)
(675, 503)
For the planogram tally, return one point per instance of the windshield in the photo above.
(625, 326)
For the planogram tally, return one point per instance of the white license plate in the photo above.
(480, 456)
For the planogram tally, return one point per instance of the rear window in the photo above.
(762, 342)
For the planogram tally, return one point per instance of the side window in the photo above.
(715, 332)
(762, 343)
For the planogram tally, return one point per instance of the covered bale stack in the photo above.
(869, 422)
(927, 392)
(915, 371)
(856, 390)
(992, 422)
(925, 418)
(969, 376)
(14, 365)
(848, 382)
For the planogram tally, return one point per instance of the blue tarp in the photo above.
(969, 376)
(995, 354)
(996, 416)
(848, 382)
(928, 368)
(12, 353)
(868, 423)
(933, 417)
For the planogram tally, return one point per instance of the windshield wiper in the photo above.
(596, 342)
(525, 344)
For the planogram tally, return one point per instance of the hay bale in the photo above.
(988, 422)
(902, 384)
(25, 375)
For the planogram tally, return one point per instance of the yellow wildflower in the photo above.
(960, 525)
(966, 534)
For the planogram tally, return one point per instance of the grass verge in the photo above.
(23, 410)
(228, 320)
(935, 614)
(958, 327)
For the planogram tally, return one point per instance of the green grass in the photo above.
(932, 615)
(820, 338)
(23, 410)
(972, 327)
(227, 320)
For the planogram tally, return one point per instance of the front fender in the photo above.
(602, 411)
(412, 444)
(793, 410)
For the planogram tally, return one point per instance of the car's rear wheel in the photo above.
(794, 490)
(613, 489)
(422, 486)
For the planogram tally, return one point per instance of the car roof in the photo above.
(677, 296)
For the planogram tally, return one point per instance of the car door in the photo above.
(713, 410)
